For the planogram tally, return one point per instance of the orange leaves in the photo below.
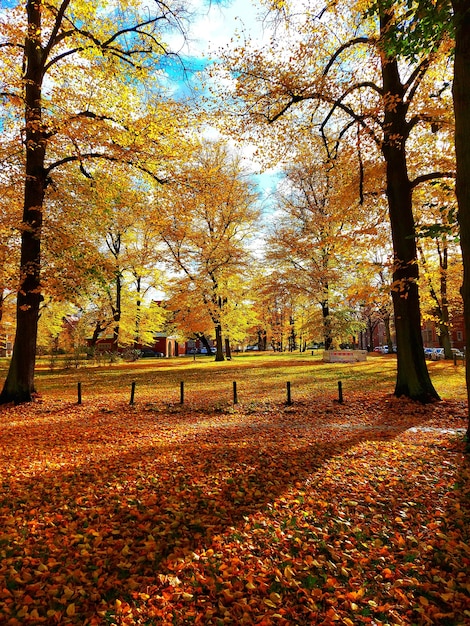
(272, 517)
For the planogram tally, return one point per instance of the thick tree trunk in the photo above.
(19, 384)
(461, 94)
(413, 379)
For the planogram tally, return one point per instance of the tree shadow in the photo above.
(115, 499)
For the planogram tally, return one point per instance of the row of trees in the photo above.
(320, 277)
(119, 189)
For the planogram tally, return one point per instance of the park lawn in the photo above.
(259, 377)
(256, 513)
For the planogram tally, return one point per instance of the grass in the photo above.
(259, 377)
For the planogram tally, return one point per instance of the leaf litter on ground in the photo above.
(353, 513)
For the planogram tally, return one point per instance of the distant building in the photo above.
(457, 333)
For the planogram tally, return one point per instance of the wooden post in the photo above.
(455, 359)
(182, 392)
(340, 392)
(79, 392)
(132, 392)
(289, 398)
(235, 397)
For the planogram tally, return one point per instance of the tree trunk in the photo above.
(19, 384)
(228, 350)
(138, 313)
(388, 332)
(413, 379)
(219, 352)
(327, 334)
(117, 310)
(461, 95)
(99, 328)
(444, 324)
(205, 342)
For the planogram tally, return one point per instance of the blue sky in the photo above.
(218, 23)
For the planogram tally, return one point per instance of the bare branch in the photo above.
(341, 49)
(416, 77)
(430, 176)
(57, 24)
(124, 55)
(8, 44)
(106, 157)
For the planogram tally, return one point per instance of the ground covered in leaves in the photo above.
(259, 513)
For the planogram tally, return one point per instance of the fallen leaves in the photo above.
(358, 514)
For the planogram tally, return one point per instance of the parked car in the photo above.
(149, 353)
(437, 354)
(204, 351)
(428, 352)
(458, 353)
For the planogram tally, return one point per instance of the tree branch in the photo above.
(416, 77)
(430, 176)
(57, 24)
(341, 49)
(106, 157)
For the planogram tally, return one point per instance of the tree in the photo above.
(461, 98)
(206, 219)
(317, 228)
(421, 31)
(74, 68)
(328, 86)
(439, 259)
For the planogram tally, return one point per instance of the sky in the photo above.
(218, 24)
(215, 25)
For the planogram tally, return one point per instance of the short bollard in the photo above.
(235, 396)
(132, 393)
(289, 397)
(340, 392)
(79, 393)
(182, 392)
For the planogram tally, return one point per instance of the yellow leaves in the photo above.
(68, 593)
(126, 550)
(187, 597)
(70, 610)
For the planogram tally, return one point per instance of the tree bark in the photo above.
(413, 380)
(19, 384)
(327, 331)
(461, 96)
(117, 311)
(219, 352)
(444, 324)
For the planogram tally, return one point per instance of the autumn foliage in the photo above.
(214, 513)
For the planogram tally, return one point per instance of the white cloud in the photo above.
(216, 26)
